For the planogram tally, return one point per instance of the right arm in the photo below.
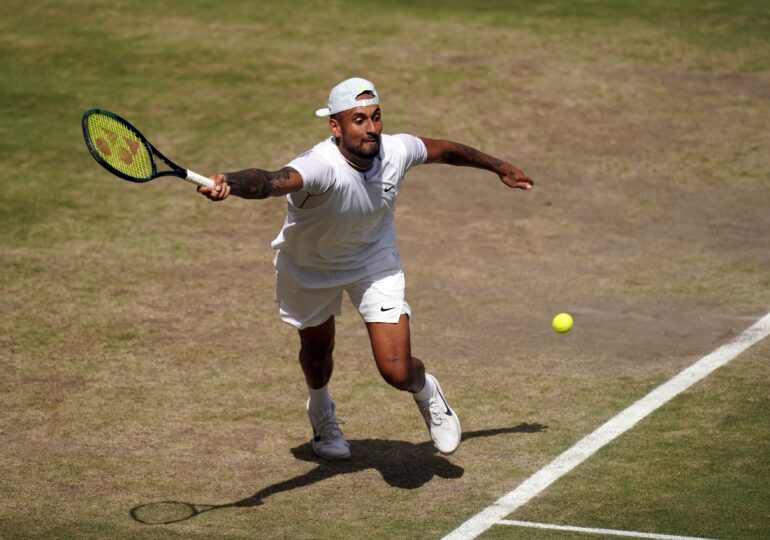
(253, 184)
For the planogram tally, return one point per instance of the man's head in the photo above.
(355, 120)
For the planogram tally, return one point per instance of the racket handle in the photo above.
(199, 179)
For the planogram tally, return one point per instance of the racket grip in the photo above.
(199, 179)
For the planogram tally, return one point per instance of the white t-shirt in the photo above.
(339, 227)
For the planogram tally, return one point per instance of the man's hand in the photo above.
(514, 178)
(219, 192)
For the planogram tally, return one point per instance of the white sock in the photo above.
(427, 390)
(320, 400)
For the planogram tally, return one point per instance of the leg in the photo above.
(315, 354)
(315, 357)
(393, 354)
(380, 301)
(392, 348)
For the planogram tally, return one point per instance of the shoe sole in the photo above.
(341, 457)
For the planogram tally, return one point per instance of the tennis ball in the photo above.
(562, 323)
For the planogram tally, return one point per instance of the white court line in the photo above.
(605, 433)
(591, 530)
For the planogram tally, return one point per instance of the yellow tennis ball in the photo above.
(562, 323)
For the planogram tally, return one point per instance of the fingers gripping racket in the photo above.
(121, 149)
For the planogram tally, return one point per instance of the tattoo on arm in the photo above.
(461, 154)
(256, 183)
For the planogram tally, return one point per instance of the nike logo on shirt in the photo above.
(389, 188)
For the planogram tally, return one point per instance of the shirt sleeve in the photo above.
(416, 153)
(316, 172)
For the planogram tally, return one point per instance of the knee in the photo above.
(398, 373)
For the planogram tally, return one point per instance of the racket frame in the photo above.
(176, 170)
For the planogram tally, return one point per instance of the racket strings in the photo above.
(119, 146)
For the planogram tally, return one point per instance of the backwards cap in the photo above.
(343, 96)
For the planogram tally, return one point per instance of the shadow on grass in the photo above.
(402, 464)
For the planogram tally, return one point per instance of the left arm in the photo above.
(453, 153)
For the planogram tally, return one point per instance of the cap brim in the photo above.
(323, 112)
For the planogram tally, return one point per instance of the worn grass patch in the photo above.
(141, 358)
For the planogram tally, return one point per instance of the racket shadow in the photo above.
(402, 464)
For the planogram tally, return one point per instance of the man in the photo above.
(339, 236)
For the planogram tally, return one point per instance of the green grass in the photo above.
(141, 358)
(697, 467)
(719, 25)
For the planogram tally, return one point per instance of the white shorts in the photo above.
(379, 297)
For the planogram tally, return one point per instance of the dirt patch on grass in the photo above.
(175, 380)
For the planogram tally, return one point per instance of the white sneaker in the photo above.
(328, 441)
(442, 422)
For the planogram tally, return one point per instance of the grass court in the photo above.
(146, 376)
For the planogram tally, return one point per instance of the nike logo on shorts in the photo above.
(387, 309)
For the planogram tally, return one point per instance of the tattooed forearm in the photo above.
(460, 154)
(256, 183)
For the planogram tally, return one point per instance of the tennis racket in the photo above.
(121, 149)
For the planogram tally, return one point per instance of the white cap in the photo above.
(343, 96)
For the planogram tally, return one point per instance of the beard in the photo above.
(365, 150)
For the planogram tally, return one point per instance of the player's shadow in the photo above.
(402, 464)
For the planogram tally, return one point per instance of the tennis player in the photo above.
(339, 237)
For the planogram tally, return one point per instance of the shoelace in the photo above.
(330, 429)
(432, 407)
